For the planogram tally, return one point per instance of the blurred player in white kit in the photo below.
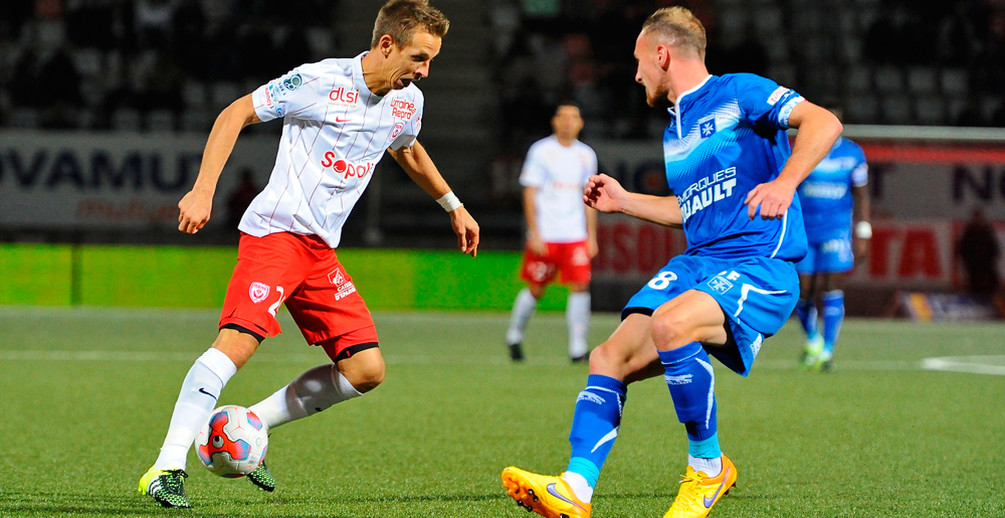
(561, 229)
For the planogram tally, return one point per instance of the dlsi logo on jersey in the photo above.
(343, 97)
(706, 191)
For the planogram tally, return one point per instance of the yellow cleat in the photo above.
(166, 487)
(810, 358)
(547, 496)
(699, 492)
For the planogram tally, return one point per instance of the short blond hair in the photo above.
(401, 19)
(677, 27)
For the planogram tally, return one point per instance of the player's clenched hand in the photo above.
(466, 229)
(193, 211)
(604, 193)
(773, 198)
(537, 246)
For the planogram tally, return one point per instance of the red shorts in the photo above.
(304, 273)
(572, 259)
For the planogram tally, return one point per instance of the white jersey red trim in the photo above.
(559, 173)
(334, 133)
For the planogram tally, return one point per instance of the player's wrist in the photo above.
(449, 202)
(863, 230)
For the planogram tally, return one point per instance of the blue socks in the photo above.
(691, 381)
(806, 312)
(597, 417)
(833, 317)
(595, 425)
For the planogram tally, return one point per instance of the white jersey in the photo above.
(334, 133)
(559, 173)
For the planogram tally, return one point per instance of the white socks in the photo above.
(523, 309)
(196, 401)
(577, 317)
(580, 487)
(711, 467)
(313, 391)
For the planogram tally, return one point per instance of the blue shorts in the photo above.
(828, 256)
(756, 294)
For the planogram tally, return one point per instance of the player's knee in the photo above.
(366, 372)
(239, 346)
(610, 360)
(370, 380)
(670, 330)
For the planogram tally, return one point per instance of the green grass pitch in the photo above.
(87, 394)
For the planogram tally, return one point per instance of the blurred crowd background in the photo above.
(162, 64)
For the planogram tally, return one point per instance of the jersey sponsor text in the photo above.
(707, 191)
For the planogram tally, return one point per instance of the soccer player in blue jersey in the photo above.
(835, 203)
(733, 179)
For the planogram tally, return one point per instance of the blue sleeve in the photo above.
(763, 102)
(859, 175)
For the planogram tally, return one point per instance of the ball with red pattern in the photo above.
(233, 442)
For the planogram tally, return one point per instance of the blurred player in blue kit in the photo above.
(733, 179)
(835, 202)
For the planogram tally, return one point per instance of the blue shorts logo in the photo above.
(720, 284)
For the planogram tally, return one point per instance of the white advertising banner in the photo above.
(78, 180)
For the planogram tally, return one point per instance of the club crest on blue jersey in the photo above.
(707, 126)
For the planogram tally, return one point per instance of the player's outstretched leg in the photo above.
(699, 492)
(262, 478)
(316, 389)
(547, 496)
(166, 487)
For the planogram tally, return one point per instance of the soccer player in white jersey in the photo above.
(561, 230)
(733, 179)
(339, 117)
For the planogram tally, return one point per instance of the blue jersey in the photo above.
(826, 193)
(726, 136)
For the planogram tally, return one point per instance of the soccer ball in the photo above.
(233, 442)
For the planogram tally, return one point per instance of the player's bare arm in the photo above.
(195, 207)
(818, 129)
(534, 241)
(420, 168)
(591, 232)
(605, 194)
